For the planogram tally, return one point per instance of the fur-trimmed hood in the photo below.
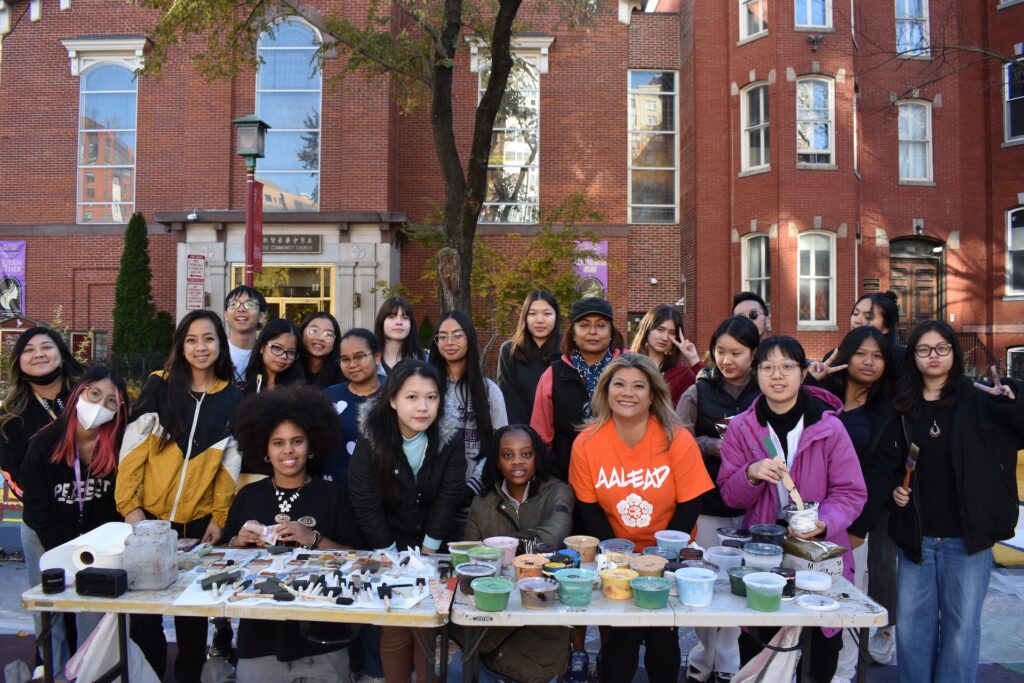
(447, 430)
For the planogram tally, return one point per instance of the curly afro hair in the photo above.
(306, 406)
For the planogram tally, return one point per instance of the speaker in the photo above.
(101, 583)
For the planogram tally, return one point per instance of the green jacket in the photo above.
(547, 511)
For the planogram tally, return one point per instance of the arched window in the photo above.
(756, 266)
(288, 98)
(107, 103)
(915, 133)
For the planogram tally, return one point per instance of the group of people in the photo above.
(364, 439)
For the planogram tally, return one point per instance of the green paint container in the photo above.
(491, 593)
(487, 555)
(575, 587)
(460, 551)
(650, 592)
(764, 591)
(736, 575)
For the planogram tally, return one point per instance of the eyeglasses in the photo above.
(316, 333)
(923, 350)
(787, 368)
(95, 396)
(454, 337)
(234, 305)
(356, 359)
(278, 350)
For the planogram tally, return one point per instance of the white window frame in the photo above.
(923, 52)
(928, 142)
(808, 4)
(830, 120)
(675, 148)
(1010, 214)
(746, 129)
(1006, 104)
(318, 38)
(759, 285)
(830, 322)
(1012, 351)
(763, 10)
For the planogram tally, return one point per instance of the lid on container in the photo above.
(765, 580)
(762, 548)
(723, 551)
(808, 505)
(148, 527)
(484, 552)
(672, 535)
(529, 561)
(771, 529)
(817, 603)
(491, 584)
(700, 564)
(650, 583)
(696, 574)
(648, 563)
(810, 580)
(581, 540)
(618, 574)
(740, 572)
(474, 569)
(733, 532)
(575, 575)
(537, 584)
(463, 545)
(661, 552)
(617, 545)
(501, 541)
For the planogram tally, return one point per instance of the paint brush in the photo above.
(911, 464)
(787, 481)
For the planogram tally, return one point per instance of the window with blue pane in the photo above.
(813, 13)
(288, 98)
(1015, 251)
(912, 28)
(108, 97)
(653, 147)
(815, 121)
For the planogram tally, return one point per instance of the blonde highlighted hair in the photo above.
(661, 399)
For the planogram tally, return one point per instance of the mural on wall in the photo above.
(12, 278)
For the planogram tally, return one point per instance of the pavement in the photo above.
(1002, 629)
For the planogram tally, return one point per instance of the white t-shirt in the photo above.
(239, 359)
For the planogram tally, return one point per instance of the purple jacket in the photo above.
(824, 469)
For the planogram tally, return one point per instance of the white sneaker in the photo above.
(841, 679)
(882, 645)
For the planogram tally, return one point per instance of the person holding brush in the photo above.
(791, 444)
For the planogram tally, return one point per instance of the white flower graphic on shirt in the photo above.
(635, 511)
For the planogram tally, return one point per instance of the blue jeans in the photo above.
(939, 612)
(33, 550)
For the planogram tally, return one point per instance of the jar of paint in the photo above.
(529, 565)
(802, 521)
(586, 546)
(736, 584)
(767, 533)
(764, 591)
(789, 592)
(575, 587)
(696, 586)
(650, 592)
(459, 550)
(615, 583)
(725, 558)
(488, 555)
(537, 593)
(670, 539)
(491, 593)
(507, 544)
(469, 572)
(762, 555)
(648, 565)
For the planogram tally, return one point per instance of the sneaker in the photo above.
(579, 668)
(723, 677)
(882, 645)
(841, 679)
(694, 676)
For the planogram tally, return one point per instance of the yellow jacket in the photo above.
(186, 479)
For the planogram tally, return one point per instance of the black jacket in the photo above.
(984, 439)
(879, 461)
(15, 435)
(50, 501)
(568, 397)
(413, 505)
(518, 382)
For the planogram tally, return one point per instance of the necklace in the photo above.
(284, 502)
(934, 431)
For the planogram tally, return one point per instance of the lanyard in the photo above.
(79, 493)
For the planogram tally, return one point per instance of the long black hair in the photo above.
(330, 371)
(271, 331)
(882, 387)
(524, 347)
(742, 329)
(887, 306)
(471, 387)
(381, 422)
(543, 462)
(909, 396)
(411, 344)
(177, 401)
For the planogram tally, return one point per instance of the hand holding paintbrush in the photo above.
(776, 472)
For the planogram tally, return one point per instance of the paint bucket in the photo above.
(764, 591)
(537, 593)
(459, 551)
(615, 583)
(670, 539)
(575, 587)
(762, 555)
(469, 572)
(508, 545)
(650, 592)
(725, 558)
(648, 565)
(488, 555)
(529, 565)
(491, 593)
(586, 546)
(736, 584)
(696, 586)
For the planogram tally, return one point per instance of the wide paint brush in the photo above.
(911, 464)
(787, 481)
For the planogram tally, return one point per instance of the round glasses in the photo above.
(234, 305)
(278, 350)
(95, 396)
(454, 337)
(356, 359)
(315, 332)
(787, 368)
(923, 350)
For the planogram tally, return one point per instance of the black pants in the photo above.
(620, 654)
(824, 651)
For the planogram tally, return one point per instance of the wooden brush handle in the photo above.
(906, 478)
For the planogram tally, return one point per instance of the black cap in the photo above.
(591, 305)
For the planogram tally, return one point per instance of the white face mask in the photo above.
(92, 415)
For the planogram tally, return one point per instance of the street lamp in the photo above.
(252, 132)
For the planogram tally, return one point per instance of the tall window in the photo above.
(1013, 101)
(815, 121)
(816, 275)
(754, 112)
(753, 18)
(915, 132)
(756, 266)
(1015, 251)
(108, 97)
(813, 13)
(288, 98)
(513, 168)
(653, 147)
(912, 28)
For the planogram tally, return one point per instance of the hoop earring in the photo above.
(266, 458)
(310, 456)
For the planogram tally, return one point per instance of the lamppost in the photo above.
(251, 143)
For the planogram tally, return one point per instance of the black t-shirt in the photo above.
(320, 505)
(858, 426)
(935, 480)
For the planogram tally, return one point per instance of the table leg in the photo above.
(805, 654)
(426, 640)
(120, 669)
(471, 653)
(45, 642)
(443, 664)
(863, 656)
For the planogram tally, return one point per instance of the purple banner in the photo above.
(12, 278)
(593, 271)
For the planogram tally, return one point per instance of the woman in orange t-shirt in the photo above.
(636, 471)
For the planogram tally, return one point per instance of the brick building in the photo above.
(808, 149)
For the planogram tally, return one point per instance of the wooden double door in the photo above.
(916, 276)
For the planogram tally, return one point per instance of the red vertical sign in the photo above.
(256, 197)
